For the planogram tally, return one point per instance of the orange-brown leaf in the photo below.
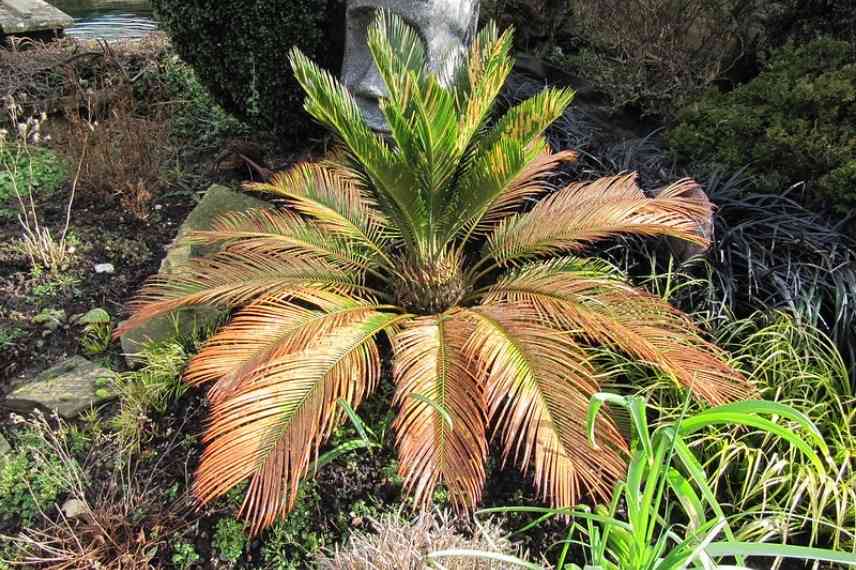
(270, 428)
(441, 439)
(230, 280)
(609, 312)
(538, 383)
(266, 331)
(584, 212)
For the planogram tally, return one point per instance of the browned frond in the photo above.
(441, 427)
(538, 383)
(532, 181)
(282, 233)
(229, 280)
(611, 313)
(334, 198)
(676, 194)
(272, 426)
(584, 212)
(266, 331)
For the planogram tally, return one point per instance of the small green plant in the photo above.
(52, 285)
(292, 541)
(229, 539)
(20, 163)
(97, 331)
(32, 478)
(184, 555)
(50, 319)
(150, 389)
(643, 528)
(41, 169)
(9, 335)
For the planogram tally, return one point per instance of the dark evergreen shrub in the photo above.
(802, 21)
(795, 122)
(239, 50)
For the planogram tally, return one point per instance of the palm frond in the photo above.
(537, 384)
(230, 280)
(584, 212)
(269, 429)
(441, 427)
(284, 234)
(481, 79)
(486, 177)
(530, 183)
(528, 120)
(606, 311)
(333, 198)
(328, 101)
(266, 331)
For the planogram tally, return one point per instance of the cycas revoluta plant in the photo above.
(425, 240)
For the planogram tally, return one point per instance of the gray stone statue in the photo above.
(445, 26)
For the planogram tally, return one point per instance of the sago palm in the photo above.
(433, 237)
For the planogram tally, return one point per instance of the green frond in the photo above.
(528, 120)
(328, 101)
(481, 79)
(399, 55)
(486, 178)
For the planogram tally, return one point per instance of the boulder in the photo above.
(4, 447)
(218, 200)
(69, 388)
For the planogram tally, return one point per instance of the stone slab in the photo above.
(218, 200)
(26, 16)
(69, 388)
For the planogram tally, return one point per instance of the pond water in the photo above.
(108, 19)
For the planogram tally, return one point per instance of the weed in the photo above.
(229, 539)
(292, 541)
(184, 555)
(53, 286)
(39, 244)
(42, 170)
(9, 335)
(50, 319)
(123, 527)
(152, 388)
(97, 331)
(32, 477)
